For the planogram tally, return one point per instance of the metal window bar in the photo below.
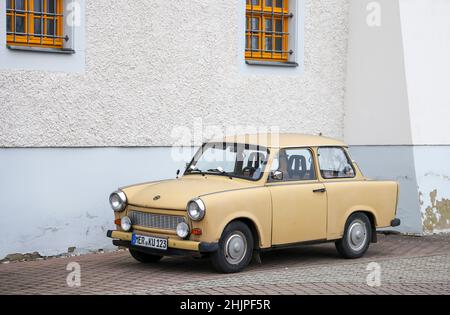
(55, 21)
(277, 51)
(277, 14)
(15, 21)
(27, 22)
(34, 12)
(273, 28)
(36, 35)
(41, 20)
(282, 26)
(251, 29)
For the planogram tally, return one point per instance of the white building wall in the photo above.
(68, 139)
(427, 63)
(57, 198)
(426, 41)
(376, 100)
(397, 103)
(153, 64)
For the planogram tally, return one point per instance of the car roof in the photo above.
(282, 140)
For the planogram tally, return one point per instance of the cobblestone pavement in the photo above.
(409, 265)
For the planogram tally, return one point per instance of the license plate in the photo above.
(149, 241)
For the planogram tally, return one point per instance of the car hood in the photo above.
(174, 194)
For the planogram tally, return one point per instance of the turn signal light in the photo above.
(197, 231)
(117, 221)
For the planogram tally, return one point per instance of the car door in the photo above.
(343, 190)
(299, 200)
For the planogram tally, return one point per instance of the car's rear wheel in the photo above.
(357, 236)
(144, 258)
(235, 248)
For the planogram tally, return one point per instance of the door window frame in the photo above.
(294, 181)
(349, 160)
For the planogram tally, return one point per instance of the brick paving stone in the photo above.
(409, 265)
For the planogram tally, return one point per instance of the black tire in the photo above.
(349, 247)
(144, 258)
(234, 233)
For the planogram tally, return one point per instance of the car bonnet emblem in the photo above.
(157, 197)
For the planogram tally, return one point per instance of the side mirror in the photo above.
(276, 175)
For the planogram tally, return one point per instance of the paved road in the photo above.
(408, 265)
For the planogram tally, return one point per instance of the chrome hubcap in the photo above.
(235, 248)
(357, 235)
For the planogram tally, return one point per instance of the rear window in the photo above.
(335, 163)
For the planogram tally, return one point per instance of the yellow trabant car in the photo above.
(245, 194)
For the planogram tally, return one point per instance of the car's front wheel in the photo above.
(357, 236)
(235, 248)
(144, 258)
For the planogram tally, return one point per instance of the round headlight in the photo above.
(182, 230)
(125, 223)
(196, 209)
(118, 201)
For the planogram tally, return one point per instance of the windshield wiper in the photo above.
(220, 171)
(195, 170)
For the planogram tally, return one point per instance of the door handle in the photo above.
(321, 190)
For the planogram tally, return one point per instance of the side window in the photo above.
(296, 164)
(253, 163)
(334, 163)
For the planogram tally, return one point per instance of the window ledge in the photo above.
(42, 49)
(271, 63)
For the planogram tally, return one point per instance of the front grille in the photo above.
(155, 221)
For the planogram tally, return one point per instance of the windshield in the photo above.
(230, 159)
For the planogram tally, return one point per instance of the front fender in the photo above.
(221, 208)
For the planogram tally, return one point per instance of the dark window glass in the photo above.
(37, 26)
(20, 4)
(51, 27)
(268, 25)
(8, 4)
(268, 44)
(38, 6)
(278, 26)
(8, 24)
(278, 3)
(51, 7)
(255, 42)
(254, 2)
(20, 24)
(278, 44)
(255, 24)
